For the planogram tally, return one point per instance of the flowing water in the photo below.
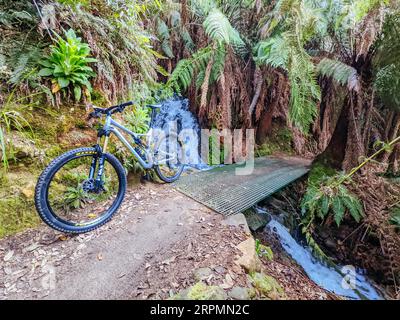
(175, 115)
(345, 281)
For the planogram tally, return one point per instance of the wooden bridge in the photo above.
(227, 192)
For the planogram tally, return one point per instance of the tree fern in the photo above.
(291, 25)
(341, 72)
(222, 34)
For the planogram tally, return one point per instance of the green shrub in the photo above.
(10, 120)
(138, 120)
(67, 65)
(331, 198)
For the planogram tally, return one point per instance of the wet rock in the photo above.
(237, 220)
(256, 220)
(239, 293)
(249, 259)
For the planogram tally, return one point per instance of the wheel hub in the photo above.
(90, 186)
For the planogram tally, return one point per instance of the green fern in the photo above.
(183, 73)
(219, 29)
(219, 64)
(274, 52)
(292, 25)
(330, 197)
(341, 72)
(221, 33)
(26, 62)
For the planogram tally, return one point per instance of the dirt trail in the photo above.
(103, 264)
(151, 249)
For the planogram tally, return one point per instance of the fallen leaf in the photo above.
(63, 237)
(8, 256)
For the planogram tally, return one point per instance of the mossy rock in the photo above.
(201, 291)
(267, 286)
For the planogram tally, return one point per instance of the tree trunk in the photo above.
(355, 143)
(264, 125)
(334, 153)
(394, 167)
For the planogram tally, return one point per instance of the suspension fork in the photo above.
(100, 156)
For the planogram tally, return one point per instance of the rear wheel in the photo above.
(71, 198)
(169, 158)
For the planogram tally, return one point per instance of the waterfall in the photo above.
(175, 114)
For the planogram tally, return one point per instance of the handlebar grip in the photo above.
(125, 104)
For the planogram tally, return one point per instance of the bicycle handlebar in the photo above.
(111, 110)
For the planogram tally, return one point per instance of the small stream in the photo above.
(332, 279)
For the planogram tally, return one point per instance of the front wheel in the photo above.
(77, 194)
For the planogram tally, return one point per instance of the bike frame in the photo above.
(111, 126)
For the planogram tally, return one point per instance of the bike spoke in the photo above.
(78, 198)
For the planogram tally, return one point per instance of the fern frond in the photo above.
(218, 64)
(202, 7)
(183, 73)
(273, 52)
(162, 30)
(219, 29)
(187, 39)
(166, 47)
(338, 210)
(24, 64)
(341, 72)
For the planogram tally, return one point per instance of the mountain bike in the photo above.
(82, 189)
